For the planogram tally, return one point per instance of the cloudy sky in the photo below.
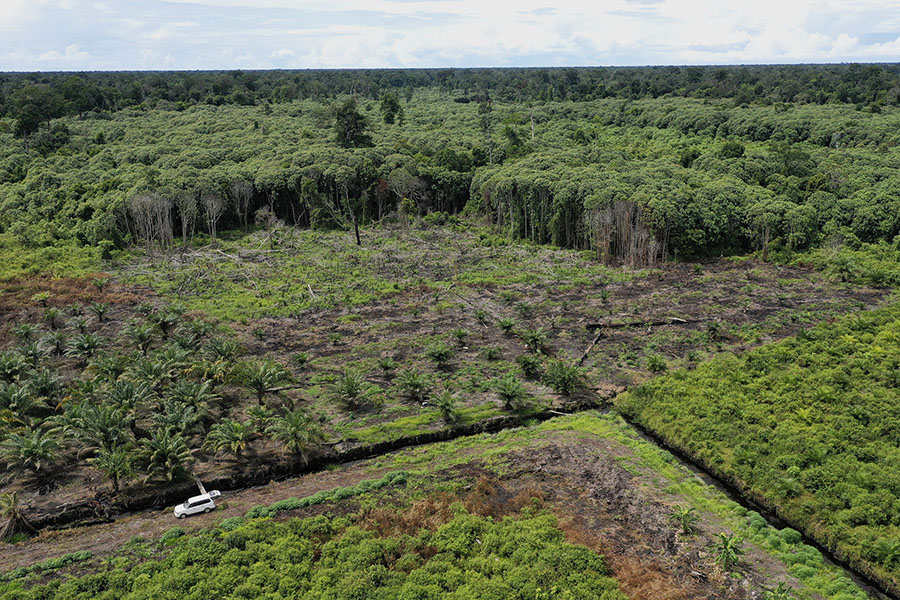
(51, 35)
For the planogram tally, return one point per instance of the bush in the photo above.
(464, 556)
(656, 363)
(511, 392)
(563, 377)
(171, 535)
(413, 385)
(790, 536)
(531, 364)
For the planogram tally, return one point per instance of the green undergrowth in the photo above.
(332, 558)
(48, 565)
(870, 264)
(659, 469)
(336, 495)
(197, 563)
(809, 424)
(285, 272)
(423, 423)
(55, 260)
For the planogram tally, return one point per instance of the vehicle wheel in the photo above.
(181, 516)
(206, 510)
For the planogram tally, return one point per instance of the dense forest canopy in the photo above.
(638, 164)
(74, 93)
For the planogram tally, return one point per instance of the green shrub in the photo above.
(413, 384)
(563, 377)
(656, 363)
(531, 364)
(526, 556)
(171, 535)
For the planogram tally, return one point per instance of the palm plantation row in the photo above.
(144, 398)
(138, 406)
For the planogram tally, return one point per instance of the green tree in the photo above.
(390, 108)
(413, 385)
(117, 464)
(230, 436)
(564, 377)
(727, 551)
(684, 517)
(102, 426)
(446, 403)
(260, 377)
(350, 389)
(164, 454)
(12, 516)
(511, 392)
(141, 334)
(350, 126)
(32, 105)
(440, 354)
(297, 433)
(32, 450)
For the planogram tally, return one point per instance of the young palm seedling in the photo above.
(511, 392)
(685, 518)
(446, 403)
(727, 551)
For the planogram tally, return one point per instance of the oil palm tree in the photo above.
(164, 454)
(297, 433)
(31, 451)
(12, 516)
(261, 377)
(117, 464)
(229, 436)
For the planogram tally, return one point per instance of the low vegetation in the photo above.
(808, 425)
(320, 557)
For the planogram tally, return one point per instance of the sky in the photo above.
(87, 35)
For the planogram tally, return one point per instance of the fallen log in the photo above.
(666, 321)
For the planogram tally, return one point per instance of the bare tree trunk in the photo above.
(241, 193)
(213, 207)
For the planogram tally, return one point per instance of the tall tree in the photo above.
(33, 105)
(390, 108)
(188, 209)
(486, 122)
(350, 125)
(241, 194)
(213, 207)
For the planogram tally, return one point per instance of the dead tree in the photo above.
(188, 209)
(241, 193)
(213, 207)
(152, 216)
(620, 229)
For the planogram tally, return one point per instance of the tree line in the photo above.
(34, 98)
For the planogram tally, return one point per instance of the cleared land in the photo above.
(458, 308)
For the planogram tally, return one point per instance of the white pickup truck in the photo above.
(198, 504)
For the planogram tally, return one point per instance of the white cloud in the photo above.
(72, 54)
(282, 53)
(202, 34)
